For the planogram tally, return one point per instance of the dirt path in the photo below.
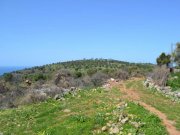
(134, 96)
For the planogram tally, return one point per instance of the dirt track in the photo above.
(134, 96)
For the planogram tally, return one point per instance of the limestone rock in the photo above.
(114, 130)
(67, 111)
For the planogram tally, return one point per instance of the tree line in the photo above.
(169, 59)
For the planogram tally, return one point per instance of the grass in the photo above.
(87, 114)
(157, 100)
(174, 81)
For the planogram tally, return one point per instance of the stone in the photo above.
(178, 95)
(135, 124)
(56, 97)
(112, 79)
(121, 133)
(104, 128)
(108, 114)
(67, 111)
(73, 88)
(108, 124)
(124, 120)
(114, 130)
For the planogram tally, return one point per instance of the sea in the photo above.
(9, 69)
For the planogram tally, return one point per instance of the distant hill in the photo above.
(57, 77)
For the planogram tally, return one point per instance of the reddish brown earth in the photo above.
(134, 96)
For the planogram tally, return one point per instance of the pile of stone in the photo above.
(109, 83)
(120, 118)
(166, 90)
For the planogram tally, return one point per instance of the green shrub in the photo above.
(8, 77)
(78, 74)
(36, 77)
(174, 81)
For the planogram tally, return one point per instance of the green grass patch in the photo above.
(174, 81)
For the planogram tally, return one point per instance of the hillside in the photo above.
(63, 76)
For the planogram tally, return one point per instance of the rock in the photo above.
(135, 124)
(104, 128)
(67, 111)
(28, 82)
(112, 79)
(108, 124)
(121, 105)
(114, 130)
(147, 84)
(56, 97)
(108, 114)
(73, 88)
(121, 133)
(62, 99)
(124, 120)
(178, 95)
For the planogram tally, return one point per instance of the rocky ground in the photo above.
(166, 90)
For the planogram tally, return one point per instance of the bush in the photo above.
(39, 77)
(99, 78)
(32, 97)
(121, 74)
(62, 74)
(160, 75)
(91, 71)
(2, 89)
(36, 77)
(78, 74)
(174, 81)
(8, 77)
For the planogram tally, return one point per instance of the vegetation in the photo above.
(8, 77)
(163, 59)
(160, 75)
(85, 113)
(174, 81)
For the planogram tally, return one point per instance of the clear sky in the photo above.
(37, 32)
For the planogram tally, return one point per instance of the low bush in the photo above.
(121, 74)
(99, 78)
(36, 77)
(8, 77)
(160, 75)
(32, 97)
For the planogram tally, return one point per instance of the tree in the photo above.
(177, 54)
(163, 59)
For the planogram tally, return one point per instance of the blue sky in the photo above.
(37, 32)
